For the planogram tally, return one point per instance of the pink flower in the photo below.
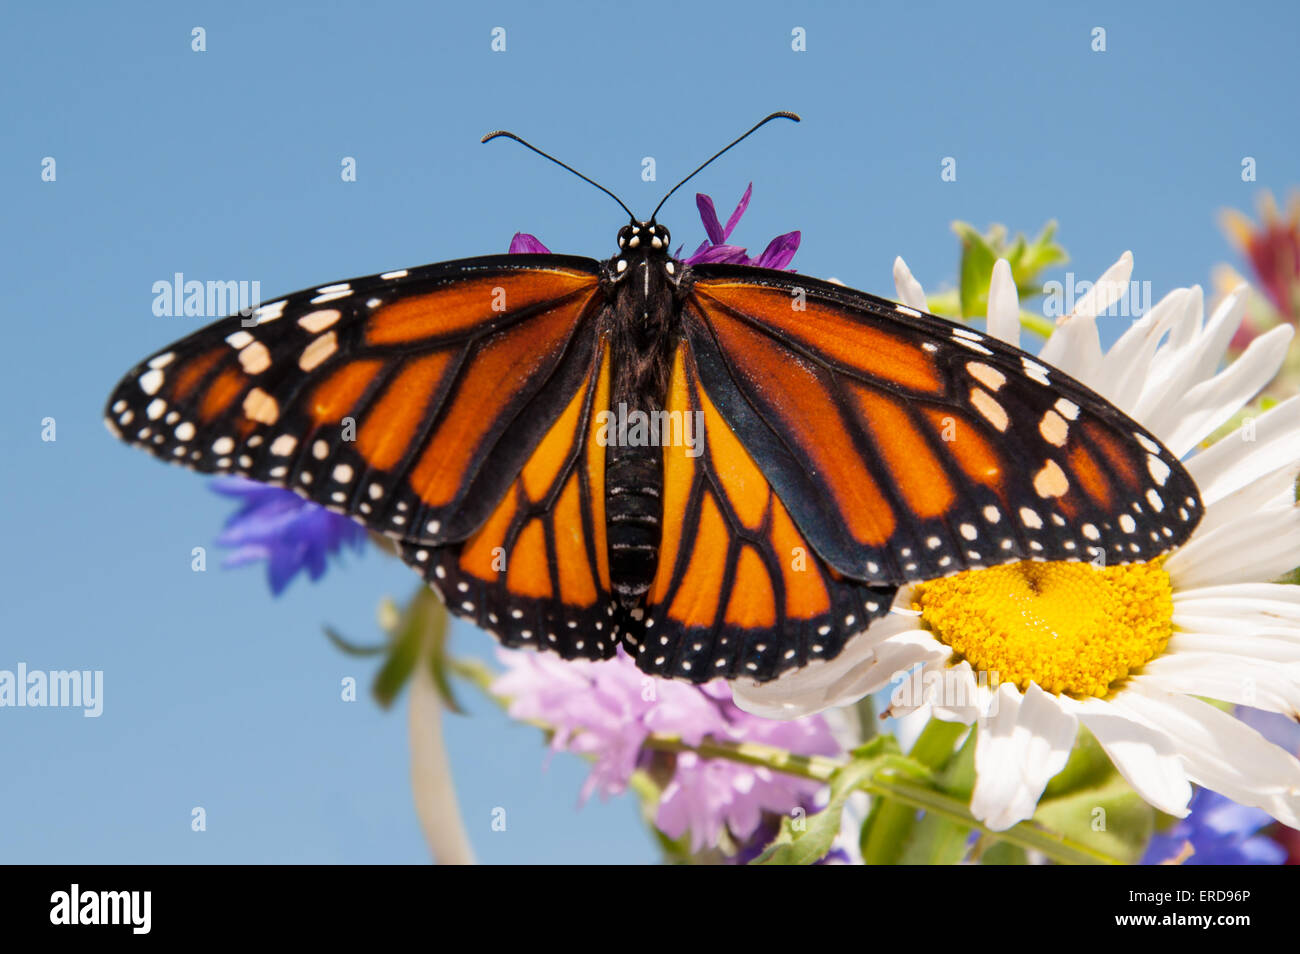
(607, 710)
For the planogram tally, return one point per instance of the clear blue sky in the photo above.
(225, 165)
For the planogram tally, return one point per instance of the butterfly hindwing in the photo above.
(908, 447)
(738, 591)
(536, 574)
(408, 399)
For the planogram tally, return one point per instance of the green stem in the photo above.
(819, 768)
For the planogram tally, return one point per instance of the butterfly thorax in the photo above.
(643, 283)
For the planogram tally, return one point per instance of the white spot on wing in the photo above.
(284, 445)
(1067, 408)
(318, 321)
(151, 381)
(1158, 469)
(318, 351)
(1035, 371)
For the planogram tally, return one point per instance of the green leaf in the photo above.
(1028, 260)
(812, 839)
(976, 270)
(351, 648)
(805, 841)
(890, 830)
(421, 632)
(397, 668)
(1091, 804)
(936, 840)
(1004, 853)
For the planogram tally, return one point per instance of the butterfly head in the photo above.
(647, 237)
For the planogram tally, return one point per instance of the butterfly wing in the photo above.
(737, 591)
(536, 573)
(410, 399)
(907, 447)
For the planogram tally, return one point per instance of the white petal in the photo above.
(1209, 404)
(1184, 330)
(1223, 324)
(1018, 749)
(1075, 348)
(964, 701)
(951, 692)
(1178, 368)
(1004, 305)
(868, 663)
(1221, 752)
(909, 289)
(1260, 547)
(1257, 447)
(1244, 614)
(1126, 365)
(1279, 602)
(1267, 592)
(1144, 756)
(1106, 290)
(1227, 677)
(1273, 492)
(1279, 646)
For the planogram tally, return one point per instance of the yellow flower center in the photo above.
(1072, 628)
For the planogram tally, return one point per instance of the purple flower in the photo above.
(525, 244)
(1221, 832)
(278, 526)
(606, 710)
(778, 254)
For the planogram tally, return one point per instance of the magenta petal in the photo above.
(779, 251)
(741, 206)
(525, 244)
(709, 216)
(727, 254)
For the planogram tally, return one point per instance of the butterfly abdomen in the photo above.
(633, 512)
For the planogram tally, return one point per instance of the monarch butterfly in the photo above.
(798, 449)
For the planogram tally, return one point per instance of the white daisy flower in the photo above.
(1123, 650)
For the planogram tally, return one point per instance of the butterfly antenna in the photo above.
(757, 126)
(498, 133)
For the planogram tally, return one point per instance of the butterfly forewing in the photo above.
(908, 447)
(409, 399)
